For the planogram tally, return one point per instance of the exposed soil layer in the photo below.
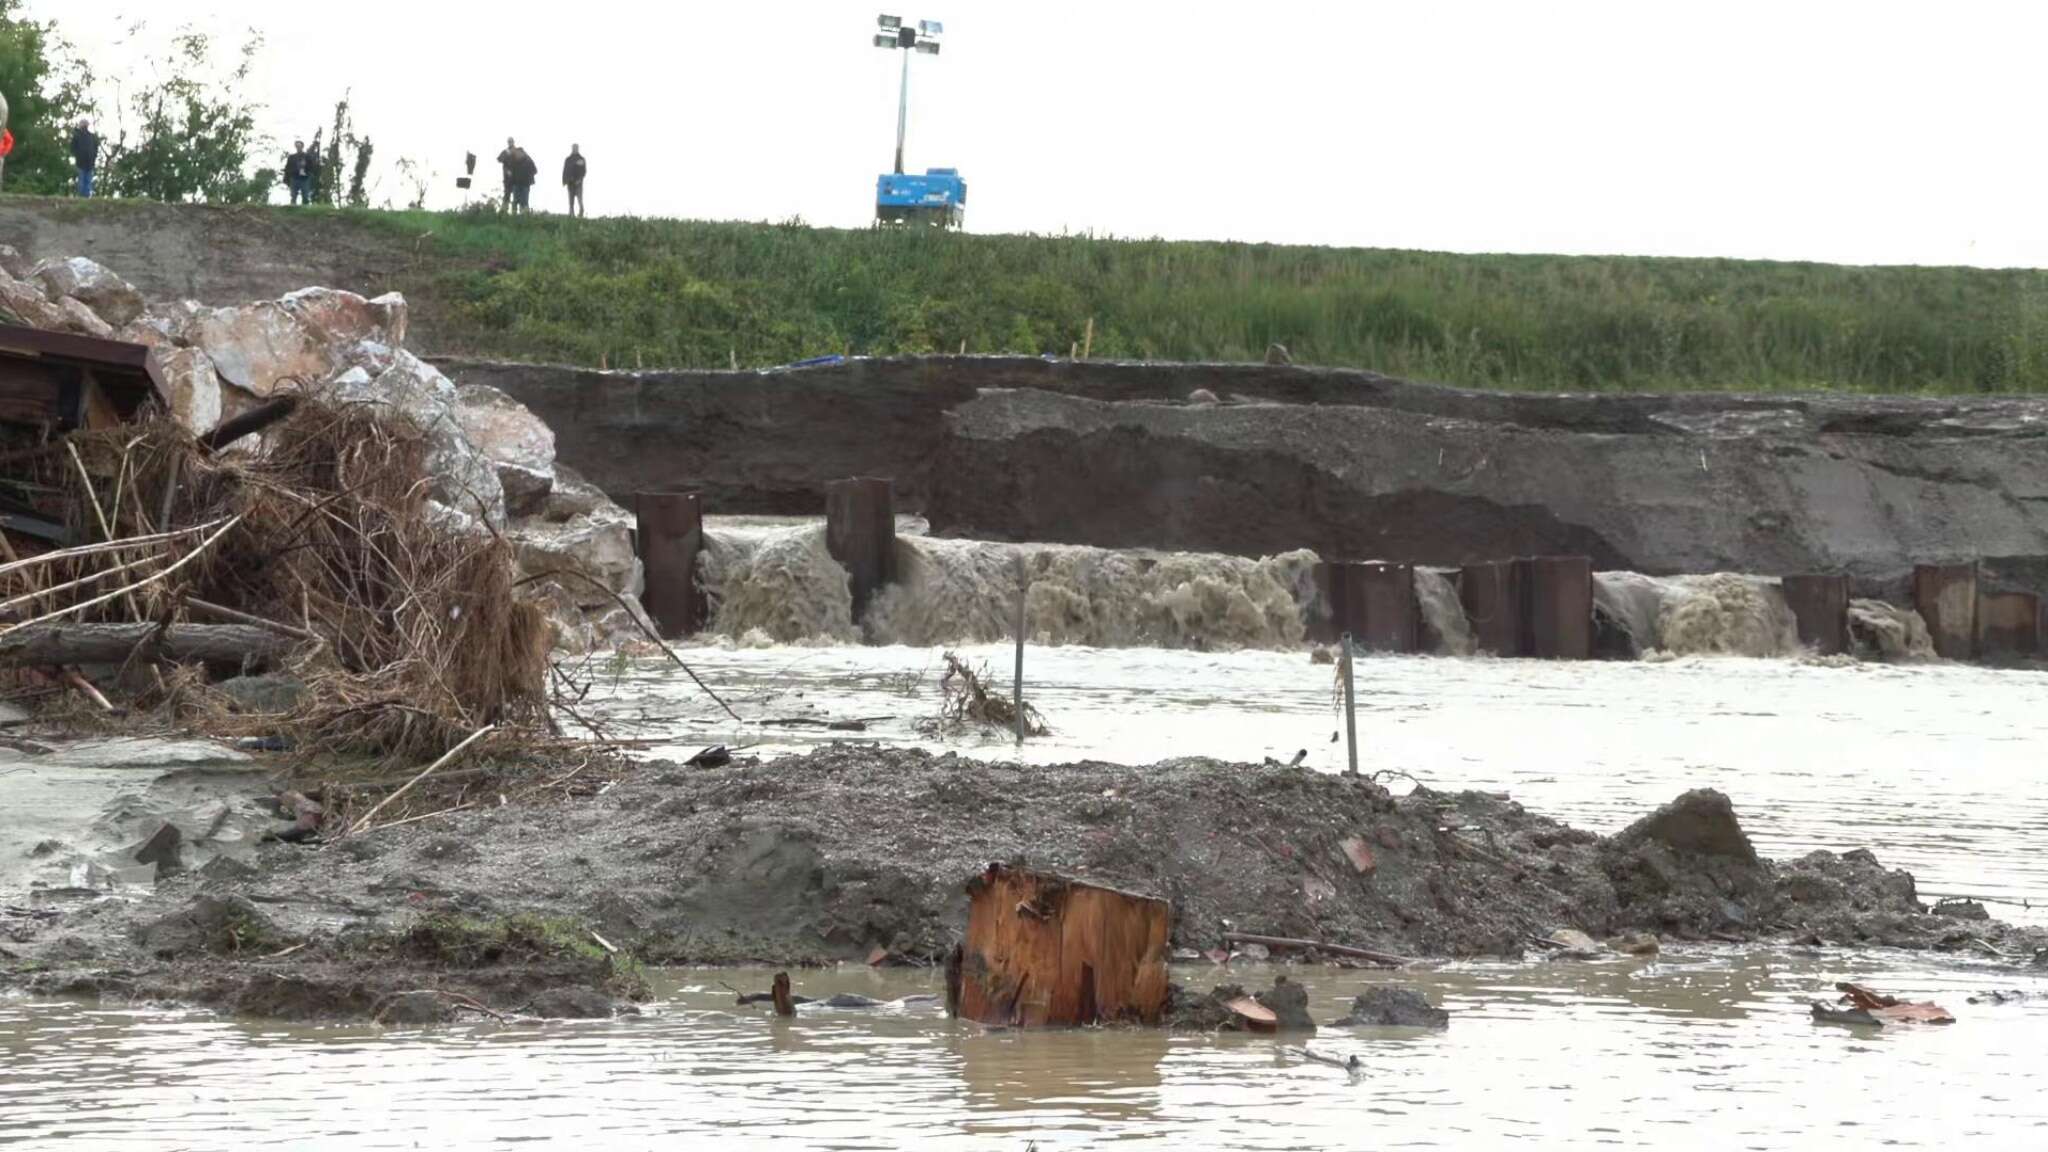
(1348, 463)
(855, 849)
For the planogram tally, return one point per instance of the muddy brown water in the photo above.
(1935, 768)
(1694, 1049)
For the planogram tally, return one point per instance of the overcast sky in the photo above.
(1865, 132)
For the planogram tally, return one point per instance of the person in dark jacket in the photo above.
(525, 172)
(508, 165)
(85, 152)
(573, 170)
(296, 167)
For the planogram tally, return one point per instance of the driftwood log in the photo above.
(113, 643)
(1043, 950)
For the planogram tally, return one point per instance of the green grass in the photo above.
(669, 293)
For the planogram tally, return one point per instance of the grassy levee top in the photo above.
(691, 294)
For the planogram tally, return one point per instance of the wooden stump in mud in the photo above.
(1046, 951)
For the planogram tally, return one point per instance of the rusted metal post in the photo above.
(1820, 603)
(1946, 597)
(860, 533)
(1017, 688)
(669, 535)
(1492, 597)
(1373, 602)
(1557, 619)
(1350, 705)
(2008, 625)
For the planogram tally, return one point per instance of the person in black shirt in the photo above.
(85, 152)
(296, 169)
(573, 170)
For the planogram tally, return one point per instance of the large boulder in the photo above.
(114, 300)
(83, 320)
(260, 347)
(601, 549)
(464, 478)
(190, 385)
(515, 440)
(15, 264)
(341, 318)
(24, 301)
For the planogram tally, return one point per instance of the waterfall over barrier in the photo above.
(770, 581)
(1723, 614)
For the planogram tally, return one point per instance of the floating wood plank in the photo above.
(1046, 951)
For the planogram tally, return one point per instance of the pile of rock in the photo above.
(493, 460)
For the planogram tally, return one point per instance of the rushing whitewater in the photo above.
(772, 581)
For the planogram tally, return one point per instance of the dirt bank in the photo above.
(855, 849)
(1350, 464)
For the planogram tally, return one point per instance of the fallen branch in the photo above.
(642, 626)
(197, 551)
(241, 617)
(451, 754)
(69, 643)
(424, 816)
(76, 679)
(1386, 958)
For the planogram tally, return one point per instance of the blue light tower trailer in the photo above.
(939, 197)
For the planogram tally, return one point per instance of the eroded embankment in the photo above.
(1253, 460)
(855, 850)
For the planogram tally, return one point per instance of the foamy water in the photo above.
(772, 581)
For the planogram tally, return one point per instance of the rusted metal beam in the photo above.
(860, 533)
(669, 535)
(1946, 597)
(1820, 603)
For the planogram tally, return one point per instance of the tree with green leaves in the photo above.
(194, 134)
(45, 86)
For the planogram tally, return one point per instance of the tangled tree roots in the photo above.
(414, 634)
(967, 701)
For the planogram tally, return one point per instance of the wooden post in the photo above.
(669, 535)
(2008, 625)
(1946, 597)
(860, 533)
(1492, 596)
(1821, 606)
(1046, 951)
(1088, 339)
(1557, 607)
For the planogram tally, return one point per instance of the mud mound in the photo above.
(1688, 867)
(226, 926)
(1385, 1006)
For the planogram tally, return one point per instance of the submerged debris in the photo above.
(968, 702)
(1877, 1009)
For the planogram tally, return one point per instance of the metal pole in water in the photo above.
(1350, 703)
(1017, 688)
